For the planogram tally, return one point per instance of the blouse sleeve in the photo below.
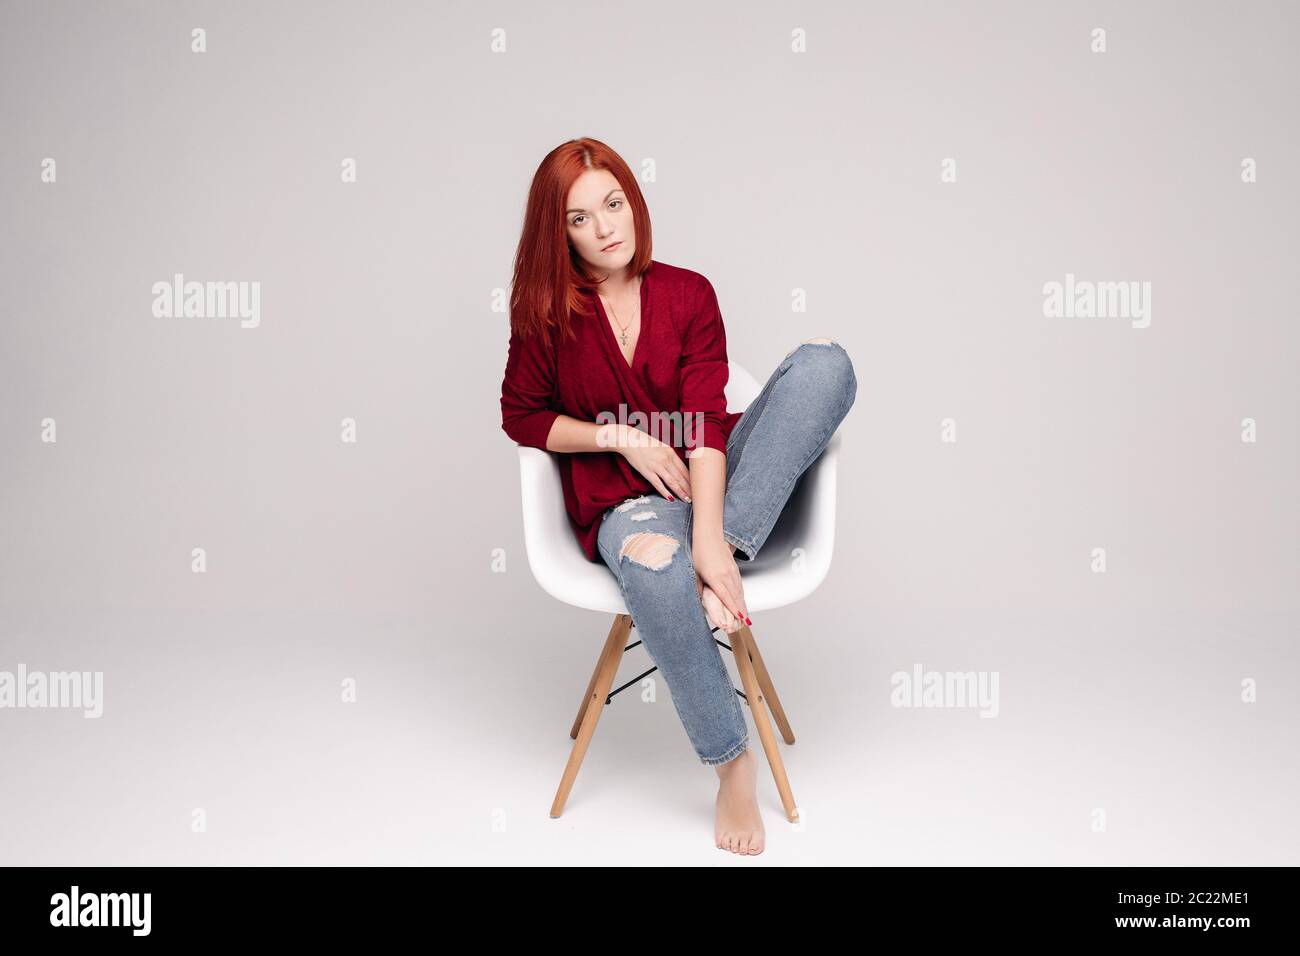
(704, 372)
(526, 391)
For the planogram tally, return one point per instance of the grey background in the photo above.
(775, 171)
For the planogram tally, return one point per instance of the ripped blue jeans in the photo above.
(779, 435)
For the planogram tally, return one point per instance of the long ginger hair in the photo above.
(549, 279)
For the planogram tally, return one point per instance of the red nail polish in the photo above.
(748, 621)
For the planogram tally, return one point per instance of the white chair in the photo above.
(773, 580)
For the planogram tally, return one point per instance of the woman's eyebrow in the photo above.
(616, 189)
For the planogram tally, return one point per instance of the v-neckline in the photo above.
(640, 336)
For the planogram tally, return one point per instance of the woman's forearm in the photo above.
(569, 434)
(708, 486)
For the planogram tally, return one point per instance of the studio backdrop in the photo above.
(275, 527)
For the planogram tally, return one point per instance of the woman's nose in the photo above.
(603, 226)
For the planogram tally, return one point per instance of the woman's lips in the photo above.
(613, 247)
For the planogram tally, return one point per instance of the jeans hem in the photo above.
(743, 546)
(731, 754)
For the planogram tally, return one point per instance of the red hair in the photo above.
(549, 278)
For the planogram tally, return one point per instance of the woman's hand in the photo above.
(714, 612)
(716, 568)
(658, 462)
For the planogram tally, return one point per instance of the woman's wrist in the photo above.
(612, 435)
(704, 540)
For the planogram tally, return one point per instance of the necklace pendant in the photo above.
(623, 338)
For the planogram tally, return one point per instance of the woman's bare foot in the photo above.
(715, 612)
(739, 824)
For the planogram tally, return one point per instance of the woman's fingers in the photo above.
(683, 476)
(715, 613)
(659, 485)
(683, 488)
(727, 595)
(676, 478)
(738, 589)
(670, 480)
(741, 605)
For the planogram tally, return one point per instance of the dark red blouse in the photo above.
(680, 366)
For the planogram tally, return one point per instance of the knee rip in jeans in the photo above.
(649, 549)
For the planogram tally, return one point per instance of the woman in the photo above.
(601, 332)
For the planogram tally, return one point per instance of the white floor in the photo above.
(455, 744)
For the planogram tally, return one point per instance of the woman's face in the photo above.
(597, 217)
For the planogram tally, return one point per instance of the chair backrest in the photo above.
(742, 388)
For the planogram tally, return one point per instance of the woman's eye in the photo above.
(615, 202)
(575, 220)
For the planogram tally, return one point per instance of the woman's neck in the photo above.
(618, 284)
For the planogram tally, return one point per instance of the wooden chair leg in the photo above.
(586, 698)
(601, 682)
(769, 689)
(740, 642)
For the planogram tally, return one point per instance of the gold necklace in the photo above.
(623, 334)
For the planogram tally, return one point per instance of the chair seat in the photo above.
(791, 565)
